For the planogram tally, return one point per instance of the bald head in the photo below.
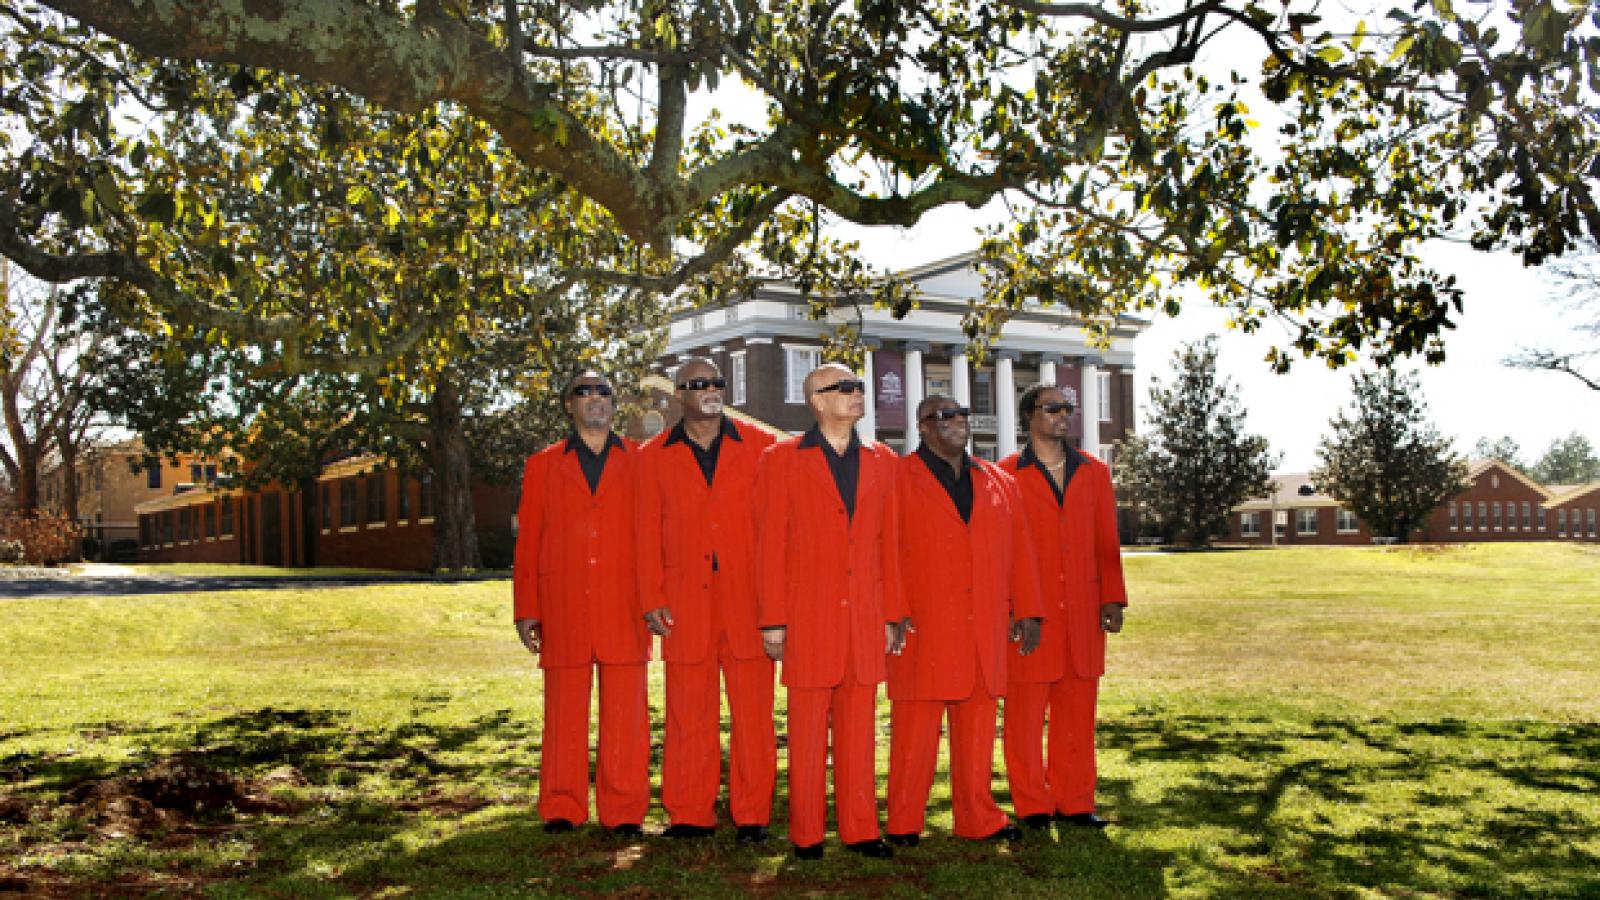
(836, 397)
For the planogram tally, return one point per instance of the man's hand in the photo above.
(1111, 617)
(659, 621)
(532, 638)
(772, 642)
(1027, 633)
(894, 635)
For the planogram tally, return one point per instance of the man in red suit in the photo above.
(697, 584)
(1072, 515)
(969, 581)
(575, 596)
(830, 606)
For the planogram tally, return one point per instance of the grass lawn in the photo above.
(1299, 722)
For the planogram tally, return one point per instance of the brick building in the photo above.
(368, 515)
(766, 343)
(109, 490)
(1498, 504)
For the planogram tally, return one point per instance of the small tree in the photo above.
(1385, 460)
(1195, 461)
(1570, 460)
(1504, 448)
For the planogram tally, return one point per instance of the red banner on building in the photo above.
(889, 388)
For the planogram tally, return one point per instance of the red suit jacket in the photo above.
(821, 573)
(682, 522)
(575, 559)
(1080, 567)
(962, 581)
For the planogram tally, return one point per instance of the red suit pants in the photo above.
(1064, 784)
(914, 755)
(622, 766)
(691, 768)
(847, 710)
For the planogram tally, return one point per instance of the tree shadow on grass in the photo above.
(1446, 806)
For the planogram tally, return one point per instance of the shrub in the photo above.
(46, 538)
(11, 552)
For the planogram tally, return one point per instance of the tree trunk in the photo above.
(310, 525)
(455, 542)
(69, 476)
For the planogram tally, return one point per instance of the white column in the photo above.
(1089, 396)
(1005, 403)
(1047, 369)
(961, 382)
(914, 388)
(867, 428)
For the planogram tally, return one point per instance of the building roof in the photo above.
(1477, 467)
(1561, 495)
(1290, 489)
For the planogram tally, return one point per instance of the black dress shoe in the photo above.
(904, 840)
(1006, 833)
(870, 849)
(752, 834)
(1083, 820)
(812, 851)
(557, 826)
(628, 830)
(689, 831)
(1038, 821)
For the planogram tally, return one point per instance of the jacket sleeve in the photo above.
(772, 539)
(1107, 543)
(648, 533)
(530, 526)
(1026, 602)
(896, 606)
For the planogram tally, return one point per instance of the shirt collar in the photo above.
(928, 456)
(813, 438)
(1028, 458)
(574, 442)
(677, 435)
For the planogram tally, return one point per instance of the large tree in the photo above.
(1385, 460)
(1195, 461)
(1122, 133)
(1568, 460)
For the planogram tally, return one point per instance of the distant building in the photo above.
(766, 343)
(110, 488)
(1499, 504)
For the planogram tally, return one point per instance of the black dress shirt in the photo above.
(706, 457)
(957, 485)
(846, 467)
(1073, 458)
(593, 464)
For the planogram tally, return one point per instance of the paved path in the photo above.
(102, 584)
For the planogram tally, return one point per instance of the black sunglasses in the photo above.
(599, 390)
(1056, 407)
(701, 384)
(843, 386)
(948, 413)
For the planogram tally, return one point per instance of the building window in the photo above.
(208, 525)
(347, 503)
(197, 473)
(1561, 523)
(983, 393)
(1103, 389)
(144, 531)
(1497, 515)
(1250, 524)
(1105, 453)
(1305, 521)
(797, 364)
(1280, 523)
(1527, 516)
(1483, 516)
(152, 472)
(166, 527)
(1542, 521)
(225, 517)
(425, 496)
(1591, 522)
(402, 500)
(736, 373)
(1454, 521)
(327, 507)
(376, 508)
(1347, 522)
(183, 526)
